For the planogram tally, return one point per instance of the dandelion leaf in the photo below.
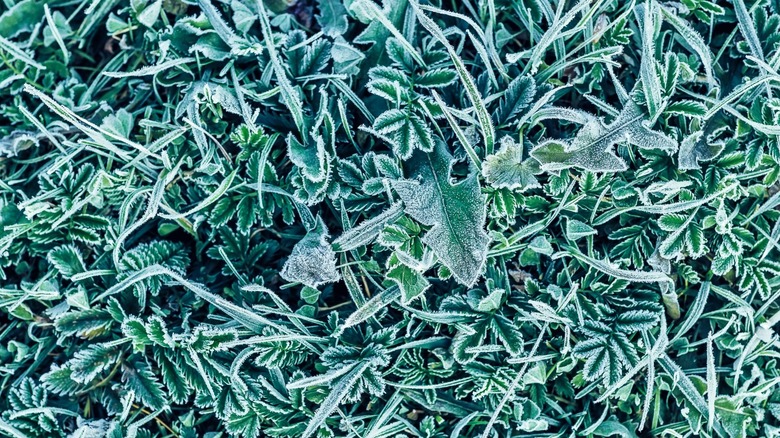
(455, 210)
(593, 146)
(695, 148)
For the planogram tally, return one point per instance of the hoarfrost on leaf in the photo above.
(695, 148)
(455, 211)
(506, 168)
(312, 261)
(593, 146)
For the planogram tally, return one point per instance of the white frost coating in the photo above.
(368, 230)
(613, 270)
(694, 40)
(694, 149)
(506, 169)
(149, 70)
(312, 261)
(456, 212)
(311, 159)
(592, 148)
(17, 141)
(666, 188)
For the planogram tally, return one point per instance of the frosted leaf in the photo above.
(694, 40)
(506, 168)
(332, 17)
(613, 270)
(517, 97)
(697, 147)
(91, 428)
(658, 262)
(17, 141)
(576, 229)
(455, 210)
(667, 189)
(405, 131)
(312, 261)
(368, 230)
(592, 147)
(411, 283)
(651, 83)
(311, 159)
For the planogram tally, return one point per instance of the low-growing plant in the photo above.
(406, 218)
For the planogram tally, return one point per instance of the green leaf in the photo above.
(492, 301)
(412, 283)
(149, 15)
(517, 97)
(606, 357)
(21, 17)
(734, 417)
(748, 29)
(483, 117)
(332, 17)
(508, 333)
(651, 83)
(694, 40)
(695, 148)
(148, 391)
(134, 329)
(435, 78)
(576, 229)
(172, 375)
(455, 211)
(67, 260)
(311, 158)
(310, 295)
(85, 324)
(506, 168)
(338, 392)
(592, 148)
(689, 108)
(405, 131)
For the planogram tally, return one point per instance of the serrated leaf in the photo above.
(86, 323)
(695, 148)
(405, 131)
(517, 97)
(506, 168)
(412, 283)
(456, 211)
(592, 148)
(435, 78)
(508, 334)
(134, 329)
(67, 260)
(148, 391)
(689, 108)
(172, 375)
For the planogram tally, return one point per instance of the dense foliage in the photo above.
(418, 218)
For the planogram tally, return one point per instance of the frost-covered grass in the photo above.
(406, 218)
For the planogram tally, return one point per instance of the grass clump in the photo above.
(419, 218)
